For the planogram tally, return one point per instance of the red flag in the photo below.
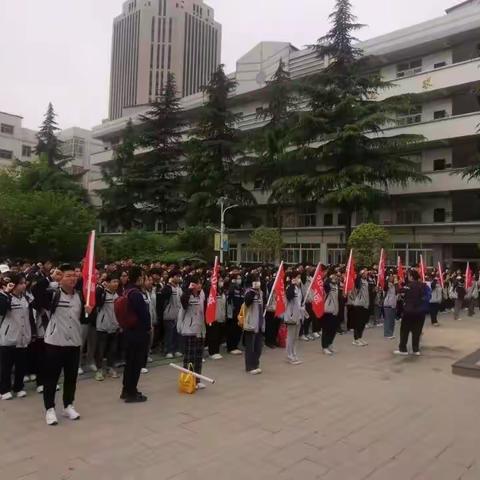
(422, 269)
(440, 274)
(89, 273)
(468, 277)
(381, 270)
(212, 297)
(349, 275)
(318, 302)
(400, 270)
(279, 290)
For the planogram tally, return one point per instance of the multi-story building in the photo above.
(16, 142)
(152, 38)
(440, 61)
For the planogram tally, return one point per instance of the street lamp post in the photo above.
(223, 210)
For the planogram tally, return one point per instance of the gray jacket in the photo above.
(221, 311)
(191, 321)
(173, 306)
(331, 300)
(106, 319)
(65, 328)
(254, 320)
(15, 329)
(362, 297)
(390, 300)
(295, 312)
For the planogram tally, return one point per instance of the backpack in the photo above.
(126, 317)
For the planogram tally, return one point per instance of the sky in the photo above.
(59, 50)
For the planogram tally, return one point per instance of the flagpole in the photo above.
(347, 276)
(90, 265)
(380, 264)
(317, 272)
(273, 288)
(441, 275)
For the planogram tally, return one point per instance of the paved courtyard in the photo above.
(362, 414)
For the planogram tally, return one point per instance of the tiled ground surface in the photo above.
(362, 414)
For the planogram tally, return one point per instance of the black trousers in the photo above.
(234, 333)
(330, 325)
(253, 350)
(272, 324)
(434, 309)
(215, 336)
(106, 347)
(316, 323)
(411, 323)
(36, 360)
(56, 360)
(136, 347)
(350, 314)
(193, 353)
(360, 319)
(12, 357)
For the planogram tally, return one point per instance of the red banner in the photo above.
(468, 276)
(89, 273)
(422, 269)
(400, 271)
(349, 275)
(211, 313)
(279, 290)
(381, 270)
(318, 302)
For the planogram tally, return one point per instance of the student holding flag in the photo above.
(294, 316)
(330, 317)
(390, 307)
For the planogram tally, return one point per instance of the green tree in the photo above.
(344, 159)
(161, 166)
(367, 240)
(267, 242)
(211, 172)
(120, 197)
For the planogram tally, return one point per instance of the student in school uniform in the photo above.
(361, 308)
(294, 317)
(63, 342)
(330, 318)
(16, 327)
(216, 331)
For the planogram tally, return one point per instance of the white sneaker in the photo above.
(33, 377)
(357, 343)
(332, 349)
(311, 337)
(144, 370)
(93, 368)
(236, 352)
(201, 386)
(169, 355)
(178, 354)
(51, 417)
(40, 389)
(327, 351)
(390, 338)
(113, 373)
(316, 335)
(26, 379)
(304, 338)
(21, 394)
(149, 359)
(217, 356)
(398, 352)
(417, 354)
(71, 413)
(80, 371)
(7, 396)
(257, 371)
(363, 343)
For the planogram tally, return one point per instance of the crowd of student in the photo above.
(45, 328)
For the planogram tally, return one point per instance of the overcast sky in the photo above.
(59, 50)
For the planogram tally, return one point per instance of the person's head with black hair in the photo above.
(68, 278)
(413, 276)
(175, 277)
(16, 283)
(136, 276)
(112, 282)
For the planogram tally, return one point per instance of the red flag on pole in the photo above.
(381, 270)
(468, 277)
(318, 302)
(279, 290)
(422, 269)
(349, 275)
(400, 270)
(440, 274)
(212, 297)
(89, 273)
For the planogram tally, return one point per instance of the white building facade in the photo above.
(439, 60)
(16, 142)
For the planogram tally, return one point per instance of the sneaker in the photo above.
(99, 377)
(93, 368)
(390, 338)
(417, 354)
(201, 386)
(304, 338)
(436, 324)
(332, 349)
(26, 379)
(363, 343)
(139, 398)
(21, 394)
(7, 396)
(236, 352)
(357, 343)
(40, 389)
(399, 352)
(217, 356)
(71, 413)
(379, 324)
(51, 417)
(149, 359)
(80, 371)
(169, 355)
(178, 354)
(33, 378)
(257, 371)
(113, 373)
(327, 351)
(311, 337)
(144, 370)
(316, 335)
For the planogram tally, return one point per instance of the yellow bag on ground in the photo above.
(187, 383)
(241, 315)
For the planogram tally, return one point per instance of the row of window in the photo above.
(8, 154)
(6, 128)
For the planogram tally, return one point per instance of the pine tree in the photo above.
(120, 197)
(343, 159)
(160, 168)
(48, 143)
(211, 171)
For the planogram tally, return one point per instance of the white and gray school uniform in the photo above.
(174, 305)
(191, 322)
(221, 309)
(16, 330)
(294, 315)
(106, 319)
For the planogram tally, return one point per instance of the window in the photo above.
(412, 116)
(439, 64)
(336, 254)
(342, 219)
(6, 154)
(439, 114)
(328, 220)
(439, 164)
(26, 151)
(233, 253)
(412, 67)
(5, 128)
(439, 215)
(407, 217)
(308, 217)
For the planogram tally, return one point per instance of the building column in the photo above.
(324, 253)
